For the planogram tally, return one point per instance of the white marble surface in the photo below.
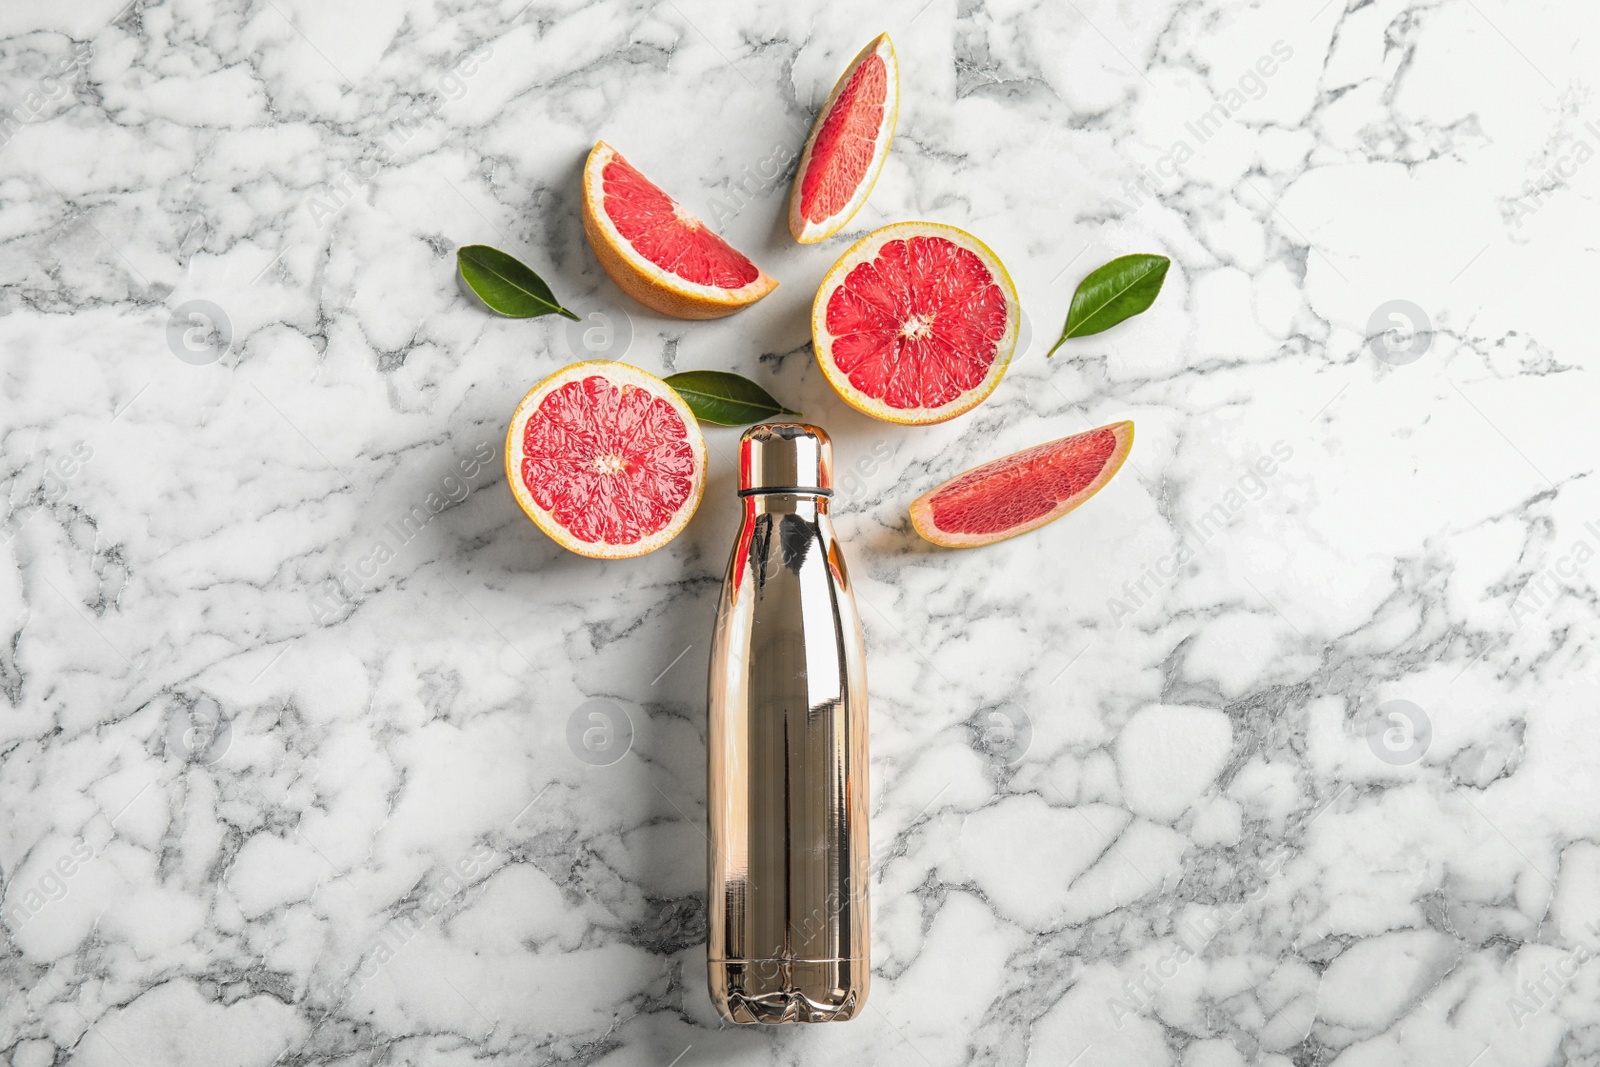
(265, 798)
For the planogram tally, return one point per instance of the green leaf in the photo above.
(1119, 290)
(724, 399)
(507, 285)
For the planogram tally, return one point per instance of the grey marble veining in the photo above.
(1281, 750)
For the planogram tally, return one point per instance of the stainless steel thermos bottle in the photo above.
(787, 764)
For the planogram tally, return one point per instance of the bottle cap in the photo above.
(785, 457)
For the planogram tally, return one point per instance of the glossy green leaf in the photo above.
(725, 399)
(507, 284)
(1119, 290)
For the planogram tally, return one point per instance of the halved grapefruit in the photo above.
(848, 144)
(657, 252)
(606, 459)
(1023, 491)
(915, 323)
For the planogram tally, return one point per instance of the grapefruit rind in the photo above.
(867, 249)
(807, 232)
(653, 286)
(922, 507)
(618, 374)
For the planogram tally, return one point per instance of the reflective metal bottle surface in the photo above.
(787, 766)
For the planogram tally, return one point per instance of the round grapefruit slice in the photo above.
(848, 144)
(606, 459)
(657, 252)
(915, 323)
(1023, 491)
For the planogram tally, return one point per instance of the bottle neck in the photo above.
(805, 505)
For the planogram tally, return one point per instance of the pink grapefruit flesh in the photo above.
(848, 145)
(1023, 491)
(606, 459)
(916, 323)
(648, 219)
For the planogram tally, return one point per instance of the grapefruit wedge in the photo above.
(848, 144)
(915, 323)
(1023, 491)
(657, 252)
(606, 459)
